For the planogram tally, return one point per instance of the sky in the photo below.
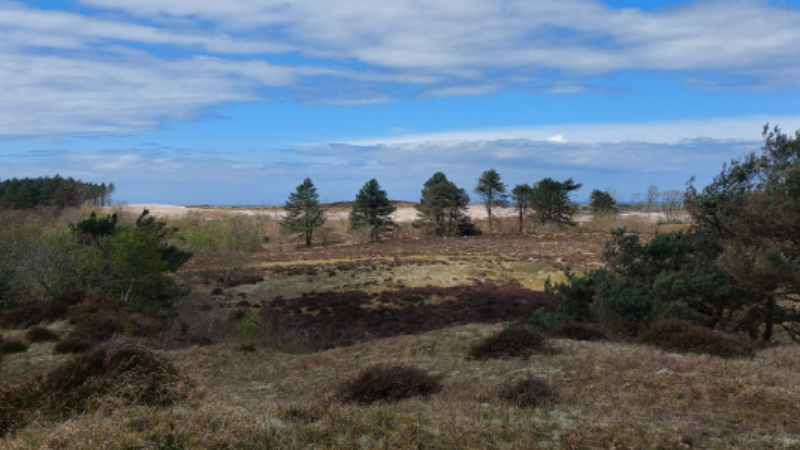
(236, 102)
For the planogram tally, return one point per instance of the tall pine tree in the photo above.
(303, 211)
(372, 210)
(492, 191)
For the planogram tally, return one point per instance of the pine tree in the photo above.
(521, 195)
(552, 203)
(303, 212)
(372, 209)
(443, 206)
(602, 203)
(493, 192)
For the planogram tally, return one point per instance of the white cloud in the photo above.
(663, 132)
(120, 65)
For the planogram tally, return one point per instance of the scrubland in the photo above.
(258, 355)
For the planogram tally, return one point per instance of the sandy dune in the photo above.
(403, 214)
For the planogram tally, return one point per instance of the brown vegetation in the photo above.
(513, 342)
(528, 392)
(8, 346)
(41, 334)
(580, 331)
(389, 384)
(117, 374)
(683, 337)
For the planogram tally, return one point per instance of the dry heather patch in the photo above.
(388, 383)
(513, 342)
(41, 334)
(528, 392)
(610, 395)
(115, 374)
(12, 345)
(683, 337)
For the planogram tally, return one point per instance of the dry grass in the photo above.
(251, 396)
(609, 395)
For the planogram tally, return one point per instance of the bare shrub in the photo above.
(671, 204)
(41, 334)
(513, 342)
(528, 393)
(389, 384)
(580, 331)
(117, 374)
(683, 337)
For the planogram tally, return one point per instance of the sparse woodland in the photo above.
(671, 323)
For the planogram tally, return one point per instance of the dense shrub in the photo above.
(90, 333)
(389, 384)
(34, 313)
(545, 320)
(580, 331)
(513, 342)
(41, 334)
(528, 392)
(116, 373)
(245, 321)
(683, 337)
(12, 346)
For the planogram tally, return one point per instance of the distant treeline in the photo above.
(52, 192)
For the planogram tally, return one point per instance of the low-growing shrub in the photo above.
(513, 342)
(88, 334)
(389, 384)
(246, 321)
(684, 337)
(41, 334)
(8, 346)
(528, 392)
(580, 331)
(545, 320)
(34, 313)
(116, 373)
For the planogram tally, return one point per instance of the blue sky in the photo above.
(235, 102)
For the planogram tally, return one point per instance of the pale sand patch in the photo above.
(403, 214)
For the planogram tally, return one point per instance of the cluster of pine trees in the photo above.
(55, 192)
(442, 207)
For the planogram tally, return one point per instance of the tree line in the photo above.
(55, 192)
(442, 208)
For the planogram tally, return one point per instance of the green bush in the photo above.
(547, 321)
(247, 322)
